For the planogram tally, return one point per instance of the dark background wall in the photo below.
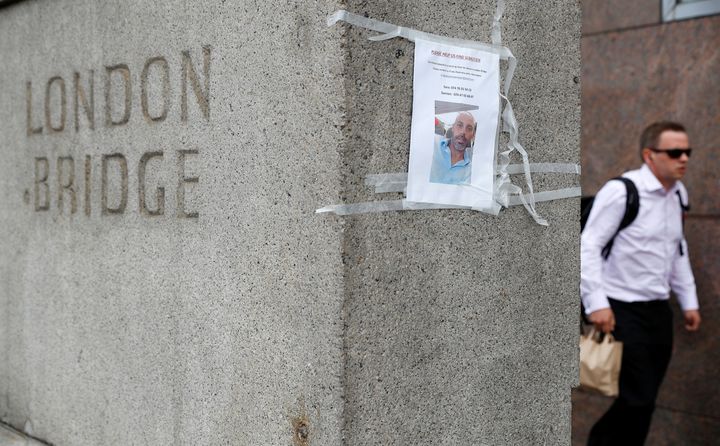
(636, 70)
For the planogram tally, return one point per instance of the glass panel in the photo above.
(688, 9)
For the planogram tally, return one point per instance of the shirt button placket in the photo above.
(667, 240)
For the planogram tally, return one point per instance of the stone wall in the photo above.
(452, 315)
(215, 317)
(165, 278)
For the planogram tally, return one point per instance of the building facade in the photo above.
(644, 61)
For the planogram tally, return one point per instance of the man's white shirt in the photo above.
(645, 261)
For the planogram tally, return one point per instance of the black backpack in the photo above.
(632, 206)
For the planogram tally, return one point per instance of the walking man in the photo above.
(627, 293)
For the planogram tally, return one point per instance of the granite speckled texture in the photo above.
(688, 428)
(669, 426)
(636, 77)
(630, 79)
(587, 409)
(613, 15)
(260, 322)
(460, 327)
(135, 329)
(690, 385)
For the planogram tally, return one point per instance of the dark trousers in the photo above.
(645, 328)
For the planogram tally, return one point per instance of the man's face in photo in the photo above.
(463, 132)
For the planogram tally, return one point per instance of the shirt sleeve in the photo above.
(682, 281)
(604, 219)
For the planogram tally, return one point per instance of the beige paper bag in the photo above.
(600, 363)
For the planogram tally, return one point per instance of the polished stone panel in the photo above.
(587, 409)
(633, 78)
(673, 428)
(669, 426)
(691, 383)
(703, 237)
(630, 79)
(610, 15)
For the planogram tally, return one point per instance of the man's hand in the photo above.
(604, 320)
(692, 320)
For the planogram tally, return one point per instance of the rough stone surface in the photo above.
(130, 329)
(260, 317)
(460, 327)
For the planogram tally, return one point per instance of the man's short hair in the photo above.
(466, 113)
(651, 135)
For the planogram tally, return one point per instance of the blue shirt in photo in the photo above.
(442, 172)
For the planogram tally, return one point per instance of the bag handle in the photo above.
(594, 334)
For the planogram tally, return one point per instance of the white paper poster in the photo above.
(454, 125)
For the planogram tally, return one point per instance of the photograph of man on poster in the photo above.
(456, 108)
(452, 152)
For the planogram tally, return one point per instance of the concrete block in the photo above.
(452, 315)
(165, 278)
(215, 317)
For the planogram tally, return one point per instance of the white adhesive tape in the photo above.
(405, 205)
(363, 208)
(495, 32)
(549, 195)
(393, 205)
(504, 188)
(397, 182)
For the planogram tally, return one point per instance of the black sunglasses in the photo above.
(673, 153)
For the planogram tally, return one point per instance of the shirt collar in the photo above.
(651, 182)
(445, 147)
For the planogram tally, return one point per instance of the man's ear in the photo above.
(647, 155)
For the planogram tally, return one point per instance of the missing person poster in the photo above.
(455, 116)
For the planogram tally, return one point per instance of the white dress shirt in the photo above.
(645, 261)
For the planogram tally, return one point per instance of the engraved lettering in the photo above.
(68, 185)
(182, 180)
(110, 174)
(28, 102)
(165, 70)
(88, 189)
(42, 179)
(63, 101)
(159, 192)
(124, 72)
(203, 97)
(122, 164)
(81, 97)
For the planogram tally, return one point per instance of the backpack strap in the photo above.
(685, 209)
(632, 207)
(586, 204)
